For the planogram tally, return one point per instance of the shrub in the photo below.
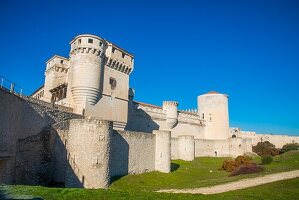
(266, 160)
(275, 152)
(265, 149)
(242, 160)
(289, 147)
(248, 168)
(231, 165)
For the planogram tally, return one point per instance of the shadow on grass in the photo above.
(174, 167)
(115, 178)
(5, 196)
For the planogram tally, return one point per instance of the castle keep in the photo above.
(83, 126)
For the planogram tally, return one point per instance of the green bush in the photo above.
(265, 149)
(289, 147)
(266, 160)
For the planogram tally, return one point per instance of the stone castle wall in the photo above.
(96, 153)
(34, 159)
(277, 140)
(21, 118)
(132, 153)
(186, 147)
(146, 118)
(55, 148)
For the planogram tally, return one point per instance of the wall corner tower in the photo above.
(86, 69)
(213, 108)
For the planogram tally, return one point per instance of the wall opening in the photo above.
(112, 83)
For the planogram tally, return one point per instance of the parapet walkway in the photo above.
(241, 184)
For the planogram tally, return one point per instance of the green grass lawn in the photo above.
(279, 190)
(187, 175)
(197, 174)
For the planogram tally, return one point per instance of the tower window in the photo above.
(112, 82)
(61, 61)
(79, 41)
(123, 55)
(101, 44)
(113, 49)
(90, 41)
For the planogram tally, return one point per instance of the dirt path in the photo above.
(245, 183)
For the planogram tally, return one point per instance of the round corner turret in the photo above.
(171, 109)
(86, 66)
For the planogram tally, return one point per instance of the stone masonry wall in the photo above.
(222, 148)
(132, 153)
(19, 119)
(88, 152)
(34, 159)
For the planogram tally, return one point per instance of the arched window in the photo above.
(234, 136)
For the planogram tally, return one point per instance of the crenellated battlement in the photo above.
(119, 59)
(150, 108)
(87, 50)
(57, 68)
(170, 103)
(57, 63)
(88, 44)
(119, 66)
(190, 118)
(194, 111)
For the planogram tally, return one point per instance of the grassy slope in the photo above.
(287, 189)
(188, 175)
(197, 174)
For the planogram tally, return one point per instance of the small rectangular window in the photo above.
(113, 49)
(101, 44)
(61, 61)
(79, 41)
(123, 55)
(90, 41)
(112, 82)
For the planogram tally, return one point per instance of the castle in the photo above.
(106, 132)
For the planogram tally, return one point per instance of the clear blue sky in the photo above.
(247, 49)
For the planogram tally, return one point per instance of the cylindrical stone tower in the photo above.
(213, 107)
(171, 108)
(88, 150)
(86, 68)
(163, 151)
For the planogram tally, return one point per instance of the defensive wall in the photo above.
(146, 118)
(42, 145)
(277, 140)
(21, 118)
